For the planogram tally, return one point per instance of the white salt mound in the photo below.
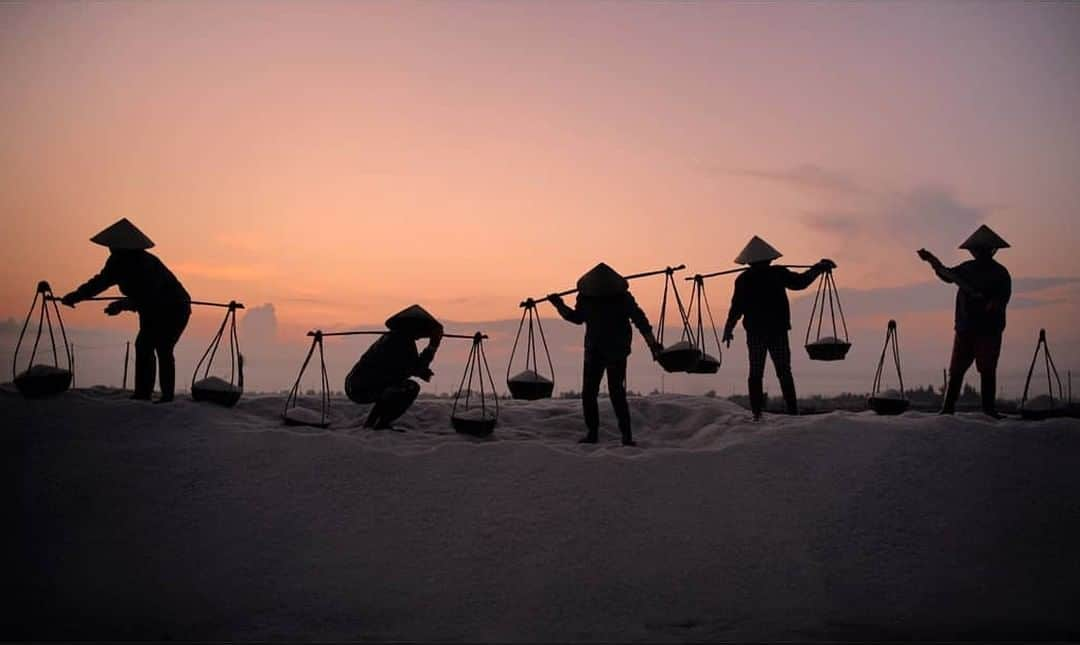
(682, 345)
(475, 414)
(529, 376)
(1042, 403)
(42, 371)
(215, 384)
(828, 340)
(304, 416)
(890, 394)
(197, 523)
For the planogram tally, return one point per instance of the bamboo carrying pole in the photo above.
(233, 304)
(318, 333)
(530, 302)
(741, 269)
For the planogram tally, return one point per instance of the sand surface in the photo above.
(191, 521)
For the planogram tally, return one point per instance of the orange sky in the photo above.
(342, 160)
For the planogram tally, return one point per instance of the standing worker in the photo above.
(984, 289)
(383, 374)
(760, 299)
(150, 290)
(606, 307)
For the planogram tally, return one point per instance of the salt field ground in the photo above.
(190, 521)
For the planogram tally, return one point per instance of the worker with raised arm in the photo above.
(383, 375)
(606, 307)
(151, 290)
(983, 290)
(760, 300)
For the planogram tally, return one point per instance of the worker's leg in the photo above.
(963, 354)
(592, 372)
(987, 351)
(756, 348)
(780, 351)
(169, 331)
(616, 382)
(145, 363)
(394, 402)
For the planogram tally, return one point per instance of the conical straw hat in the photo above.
(984, 238)
(415, 320)
(757, 250)
(123, 235)
(602, 281)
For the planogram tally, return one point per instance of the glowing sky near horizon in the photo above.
(342, 160)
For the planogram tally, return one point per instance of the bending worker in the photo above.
(150, 290)
(606, 307)
(383, 374)
(984, 289)
(760, 299)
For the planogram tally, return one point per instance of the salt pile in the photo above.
(195, 522)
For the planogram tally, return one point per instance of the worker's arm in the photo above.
(734, 313)
(644, 327)
(92, 287)
(948, 275)
(800, 281)
(570, 315)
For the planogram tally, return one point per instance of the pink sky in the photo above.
(342, 160)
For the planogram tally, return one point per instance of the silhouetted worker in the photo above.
(383, 374)
(984, 291)
(150, 290)
(760, 299)
(606, 307)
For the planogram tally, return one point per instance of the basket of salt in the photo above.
(527, 385)
(39, 379)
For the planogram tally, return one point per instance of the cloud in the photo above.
(808, 176)
(259, 324)
(924, 214)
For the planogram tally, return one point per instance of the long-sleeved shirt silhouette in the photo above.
(760, 297)
(144, 279)
(985, 312)
(607, 322)
(390, 360)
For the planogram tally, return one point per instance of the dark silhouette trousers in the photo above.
(595, 367)
(159, 331)
(983, 349)
(776, 345)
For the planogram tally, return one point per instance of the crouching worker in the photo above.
(606, 307)
(760, 299)
(383, 375)
(984, 290)
(150, 290)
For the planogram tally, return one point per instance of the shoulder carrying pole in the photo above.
(634, 276)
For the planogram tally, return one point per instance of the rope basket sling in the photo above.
(297, 415)
(699, 304)
(890, 402)
(827, 348)
(529, 384)
(39, 380)
(212, 388)
(475, 415)
(1045, 406)
(684, 355)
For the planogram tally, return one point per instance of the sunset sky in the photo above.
(343, 160)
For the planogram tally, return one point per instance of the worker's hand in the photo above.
(927, 256)
(70, 299)
(555, 299)
(656, 348)
(115, 307)
(425, 373)
(436, 339)
(825, 264)
(729, 336)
